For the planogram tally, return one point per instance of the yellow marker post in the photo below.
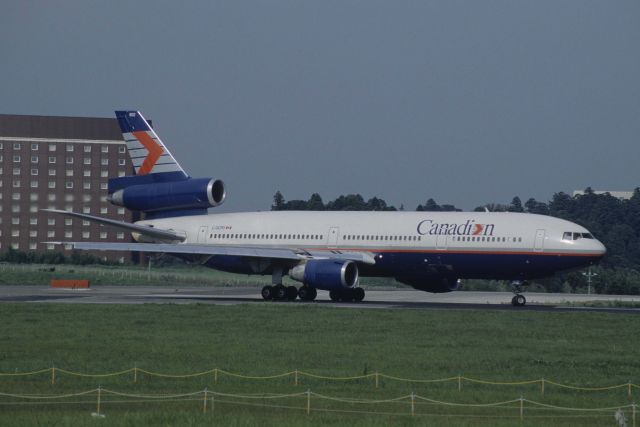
(308, 402)
(215, 375)
(296, 377)
(135, 374)
(377, 380)
(99, 400)
(542, 385)
(53, 375)
(204, 401)
(459, 382)
(629, 389)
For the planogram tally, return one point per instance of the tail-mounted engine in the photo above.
(182, 195)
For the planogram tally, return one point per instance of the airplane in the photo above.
(430, 251)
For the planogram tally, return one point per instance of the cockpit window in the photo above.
(567, 235)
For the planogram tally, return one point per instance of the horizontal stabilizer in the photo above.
(142, 229)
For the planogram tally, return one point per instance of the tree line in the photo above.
(615, 222)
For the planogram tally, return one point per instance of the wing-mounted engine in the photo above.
(326, 274)
(432, 283)
(186, 194)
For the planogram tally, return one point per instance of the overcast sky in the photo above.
(467, 102)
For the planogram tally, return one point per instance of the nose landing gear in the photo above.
(518, 288)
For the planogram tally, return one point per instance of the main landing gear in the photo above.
(288, 293)
(347, 295)
(518, 288)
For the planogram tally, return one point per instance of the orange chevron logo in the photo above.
(155, 151)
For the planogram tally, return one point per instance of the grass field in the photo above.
(587, 349)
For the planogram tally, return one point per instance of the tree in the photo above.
(516, 205)
(278, 201)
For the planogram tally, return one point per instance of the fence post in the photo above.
(377, 380)
(459, 382)
(542, 385)
(521, 408)
(296, 378)
(204, 401)
(53, 375)
(135, 373)
(308, 402)
(413, 404)
(629, 388)
(215, 375)
(99, 399)
(213, 402)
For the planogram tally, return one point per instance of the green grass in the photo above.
(588, 349)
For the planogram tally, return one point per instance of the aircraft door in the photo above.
(202, 234)
(332, 239)
(441, 241)
(538, 246)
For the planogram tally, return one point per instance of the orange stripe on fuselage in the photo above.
(449, 251)
(155, 151)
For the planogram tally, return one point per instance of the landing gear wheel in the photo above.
(334, 295)
(292, 293)
(307, 293)
(279, 292)
(358, 294)
(267, 292)
(313, 293)
(347, 295)
(520, 300)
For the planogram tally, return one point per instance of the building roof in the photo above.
(58, 127)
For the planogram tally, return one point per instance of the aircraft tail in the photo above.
(146, 150)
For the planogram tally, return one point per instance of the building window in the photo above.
(15, 233)
(104, 174)
(33, 208)
(34, 184)
(52, 159)
(120, 235)
(16, 159)
(86, 223)
(16, 183)
(122, 149)
(68, 221)
(33, 246)
(17, 146)
(34, 171)
(121, 173)
(52, 172)
(51, 233)
(50, 246)
(86, 185)
(51, 221)
(86, 197)
(87, 148)
(34, 159)
(68, 234)
(86, 160)
(103, 210)
(52, 184)
(69, 198)
(68, 184)
(15, 196)
(70, 148)
(103, 186)
(104, 149)
(15, 246)
(86, 210)
(103, 234)
(86, 235)
(33, 233)
(51, 197)
(35, 146)
(86, 173)
(52, 147)
(104, 162)
(69, 160)
(69, 172)
(16, 171)
(15, 221)
(121, 162)
(33, 221)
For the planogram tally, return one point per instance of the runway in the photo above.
(375, 299)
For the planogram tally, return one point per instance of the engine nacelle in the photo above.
(435, 284)
(200, 193)
(326, 274)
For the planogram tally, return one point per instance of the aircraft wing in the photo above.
(252, 252)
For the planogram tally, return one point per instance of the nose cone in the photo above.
(599, 250)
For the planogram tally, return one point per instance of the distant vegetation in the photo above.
(613, 221)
